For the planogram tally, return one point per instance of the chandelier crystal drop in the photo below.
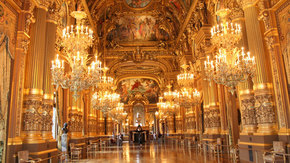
(230, 67)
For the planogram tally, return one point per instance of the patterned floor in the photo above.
(153, 153)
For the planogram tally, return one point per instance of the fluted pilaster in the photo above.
(33, 93)
(262, 81)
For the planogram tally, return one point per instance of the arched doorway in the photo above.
(138, 114)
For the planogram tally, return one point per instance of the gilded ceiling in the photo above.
(144, 38)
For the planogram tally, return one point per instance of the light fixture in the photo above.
(185, 79)
(105, 101)
(230, 67)
(79, 78)
(118, 113)
(76, 39)
(231, 64)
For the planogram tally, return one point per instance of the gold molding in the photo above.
(48, 96)
(32, 91)
(254, 144)
(14, 141)
(262, 86)
(44, 152)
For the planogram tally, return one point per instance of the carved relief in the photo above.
(248, 112)
(32, 118)
(264, 109)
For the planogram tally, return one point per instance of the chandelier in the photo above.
(106, 83)
(105, 101)
(75, 41)
(81, 77)
(78, 37)
(118, 113)
(185, 79)
(225, 34)
(231, 64)
(189, 97)
(169, 103)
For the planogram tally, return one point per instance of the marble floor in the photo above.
(153, 153)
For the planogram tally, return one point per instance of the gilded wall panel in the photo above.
(283, 22)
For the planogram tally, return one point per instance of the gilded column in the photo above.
(214, 111)
(73, 120)
(262, 83)
(245, 89)
(101, 123)
(16, 103)
(170, 122)
(222, 108)
(51, 23)
(110, 126)
(33, 93)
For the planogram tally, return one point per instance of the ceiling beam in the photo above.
(186, 21)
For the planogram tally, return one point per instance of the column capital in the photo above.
(247, 3)
(53, 13)
(44, 4)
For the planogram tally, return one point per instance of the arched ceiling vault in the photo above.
(140, 37)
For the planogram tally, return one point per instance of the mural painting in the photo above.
(138, 28)
(148, 87)
(138, 3)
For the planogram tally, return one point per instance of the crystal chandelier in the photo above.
(225, 35)
(118, 113)
(185, 79)
(75, 41)
(78, 37)
(106, 83)
(189, 97)
(231, 64)
(169, 103)
(81, 77)
(105, 101)
(230, 67)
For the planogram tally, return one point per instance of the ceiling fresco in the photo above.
(148, 87)
(137, 28)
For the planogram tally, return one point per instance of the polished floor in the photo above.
(154, 153)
